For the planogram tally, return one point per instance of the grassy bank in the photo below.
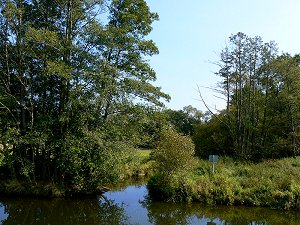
(273, 183)
(138, 165)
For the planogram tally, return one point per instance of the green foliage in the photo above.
(152, 127)
(174, 154)
(261, 90)
(173, 188)
(74, 91)
(212, 138)
(174, 160)
(92, 161)
(184, 120)
(273, 183)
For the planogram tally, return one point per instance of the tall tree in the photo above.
(246, 84)
(72, 88)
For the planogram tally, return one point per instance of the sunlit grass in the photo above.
(144, 153)
(272, 183)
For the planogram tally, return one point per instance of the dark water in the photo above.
(129, 205)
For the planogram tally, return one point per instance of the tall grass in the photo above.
(273, 183)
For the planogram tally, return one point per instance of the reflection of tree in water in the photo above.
(183, 214)
(91, 211)
(167, 214)
(75, 212)
(252, 215)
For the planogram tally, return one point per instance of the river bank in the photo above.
(140, 165)
(129, 204)
(272, 183)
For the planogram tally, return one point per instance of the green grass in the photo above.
(144, 153)
(272, 183)
(138, 164)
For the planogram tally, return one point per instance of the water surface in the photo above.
(130, 205)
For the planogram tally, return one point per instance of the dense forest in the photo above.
(75, 88)
(77, 94)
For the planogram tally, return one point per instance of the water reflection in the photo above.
(130, 205)
(164, 213)
(52, 212)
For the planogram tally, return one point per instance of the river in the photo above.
(130, 205)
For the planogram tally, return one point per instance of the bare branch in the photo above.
(5, 107)
(215, 115)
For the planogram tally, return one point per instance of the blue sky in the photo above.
(190, 34)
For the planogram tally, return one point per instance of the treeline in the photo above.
(75, 88)
(262, 115)
(261, 121)
(76, 93)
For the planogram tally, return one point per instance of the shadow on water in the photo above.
(130, 205)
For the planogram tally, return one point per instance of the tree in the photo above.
(184, 120)
(212, 138)
(287, 71)
(124, 73)
(73, 89)
(248, 86)
(261, 90)
(174, 159)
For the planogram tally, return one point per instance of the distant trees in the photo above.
(287, 72)
(261, 89)
(185, 119)
(73, 89)
(262, 115)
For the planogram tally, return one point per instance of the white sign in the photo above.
(213, 158)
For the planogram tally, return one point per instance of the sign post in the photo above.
(213, 159)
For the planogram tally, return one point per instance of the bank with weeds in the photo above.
(272, 183)
(181, 177)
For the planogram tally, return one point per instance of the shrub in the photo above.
(175, 153)
(174, 160)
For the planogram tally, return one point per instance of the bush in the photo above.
(175, 153)
(174, 161)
